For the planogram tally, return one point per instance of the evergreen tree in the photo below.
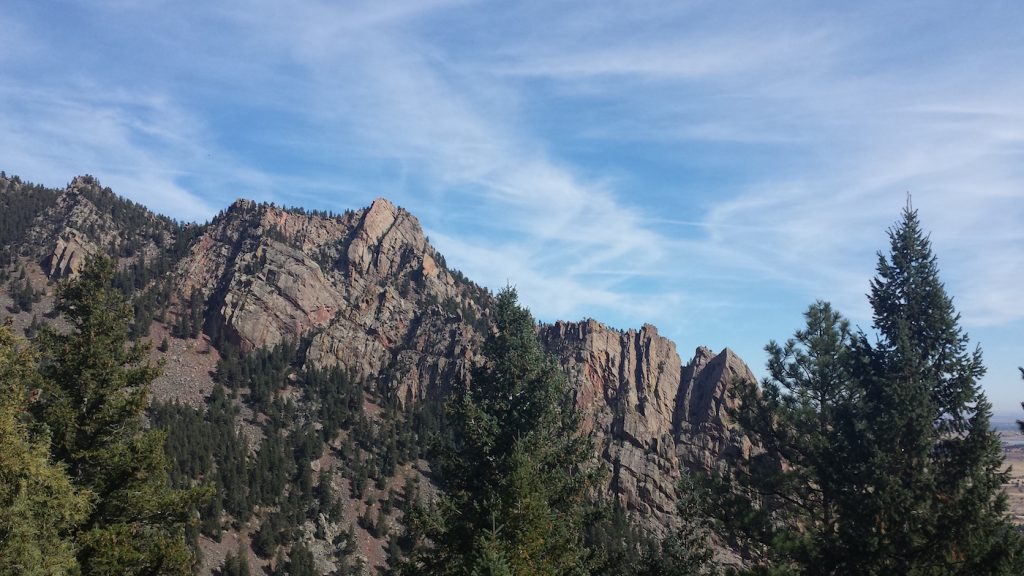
(783, 505)
(325, 494)
(516, 471)
(380, 525)
(265, 541)
(300, 562)
(366, 520)
(929, 498)
(393, 553)
(490, 559)
(39, 507)
(96, 387)
(687, 550)
(616, 545)
(879, 457)
(235, 564)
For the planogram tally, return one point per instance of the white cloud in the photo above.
(53, 135)
(853, 143)
(406, 104)
(786, 139)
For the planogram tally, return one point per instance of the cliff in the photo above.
(652, 414)
(366, 291)
(365, 288)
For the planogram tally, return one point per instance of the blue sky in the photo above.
(711, 168)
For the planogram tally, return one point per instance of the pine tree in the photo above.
(265, 540)
(96, 387)
(39, 507)
(325, 495)
(929, 496)
(235, 564)
(879, 457)
(616, 546)
(687, 550)
(490, 559)
(300, 562)
(380, 525)
(516, 467)
(393, 553)
(784, 504)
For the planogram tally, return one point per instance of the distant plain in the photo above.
(1013, 451)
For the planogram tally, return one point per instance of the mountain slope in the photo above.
(364, 292)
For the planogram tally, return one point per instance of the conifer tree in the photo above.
(687, 550)
(39, 507)
(300, 562)
(95, 392)
(490, 559)
(516, 471)
(784, 505)
(616, 545)
(235, 564)
(879, 457)
(930, 498)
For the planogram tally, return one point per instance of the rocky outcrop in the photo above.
(365, 290)
(72, 231)
(87, 218)
(651, 415)
(68, 255)
(365, 287)
(369, 293)
(705, 438)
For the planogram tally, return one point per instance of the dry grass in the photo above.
(1014, 458)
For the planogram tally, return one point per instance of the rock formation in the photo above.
(87, 218)
(651, 414)
(365, 287)
(365, 290)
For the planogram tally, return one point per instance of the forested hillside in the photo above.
(282, 391)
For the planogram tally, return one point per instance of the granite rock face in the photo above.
(83, 222)
(704, 436)
(366, 291)
(365, 288)
(372, 295)
(651, 415)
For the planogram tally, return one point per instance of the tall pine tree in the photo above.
(929, 498)
(517, 469)
(687, 550)
(94, 396)
(879, 457)
(784, 506)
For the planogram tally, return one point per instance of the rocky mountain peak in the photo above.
(652, 415)
(241, 205)
(86, 218)
(366, 291)
(73, 229)
(379, 218)
(365, 288)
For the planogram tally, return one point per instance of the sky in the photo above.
(710, 168)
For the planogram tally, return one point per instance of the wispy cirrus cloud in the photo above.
(545, 226)
(130, 139)
(709, 168)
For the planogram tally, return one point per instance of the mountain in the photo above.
(298, 294)
(651, 413)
